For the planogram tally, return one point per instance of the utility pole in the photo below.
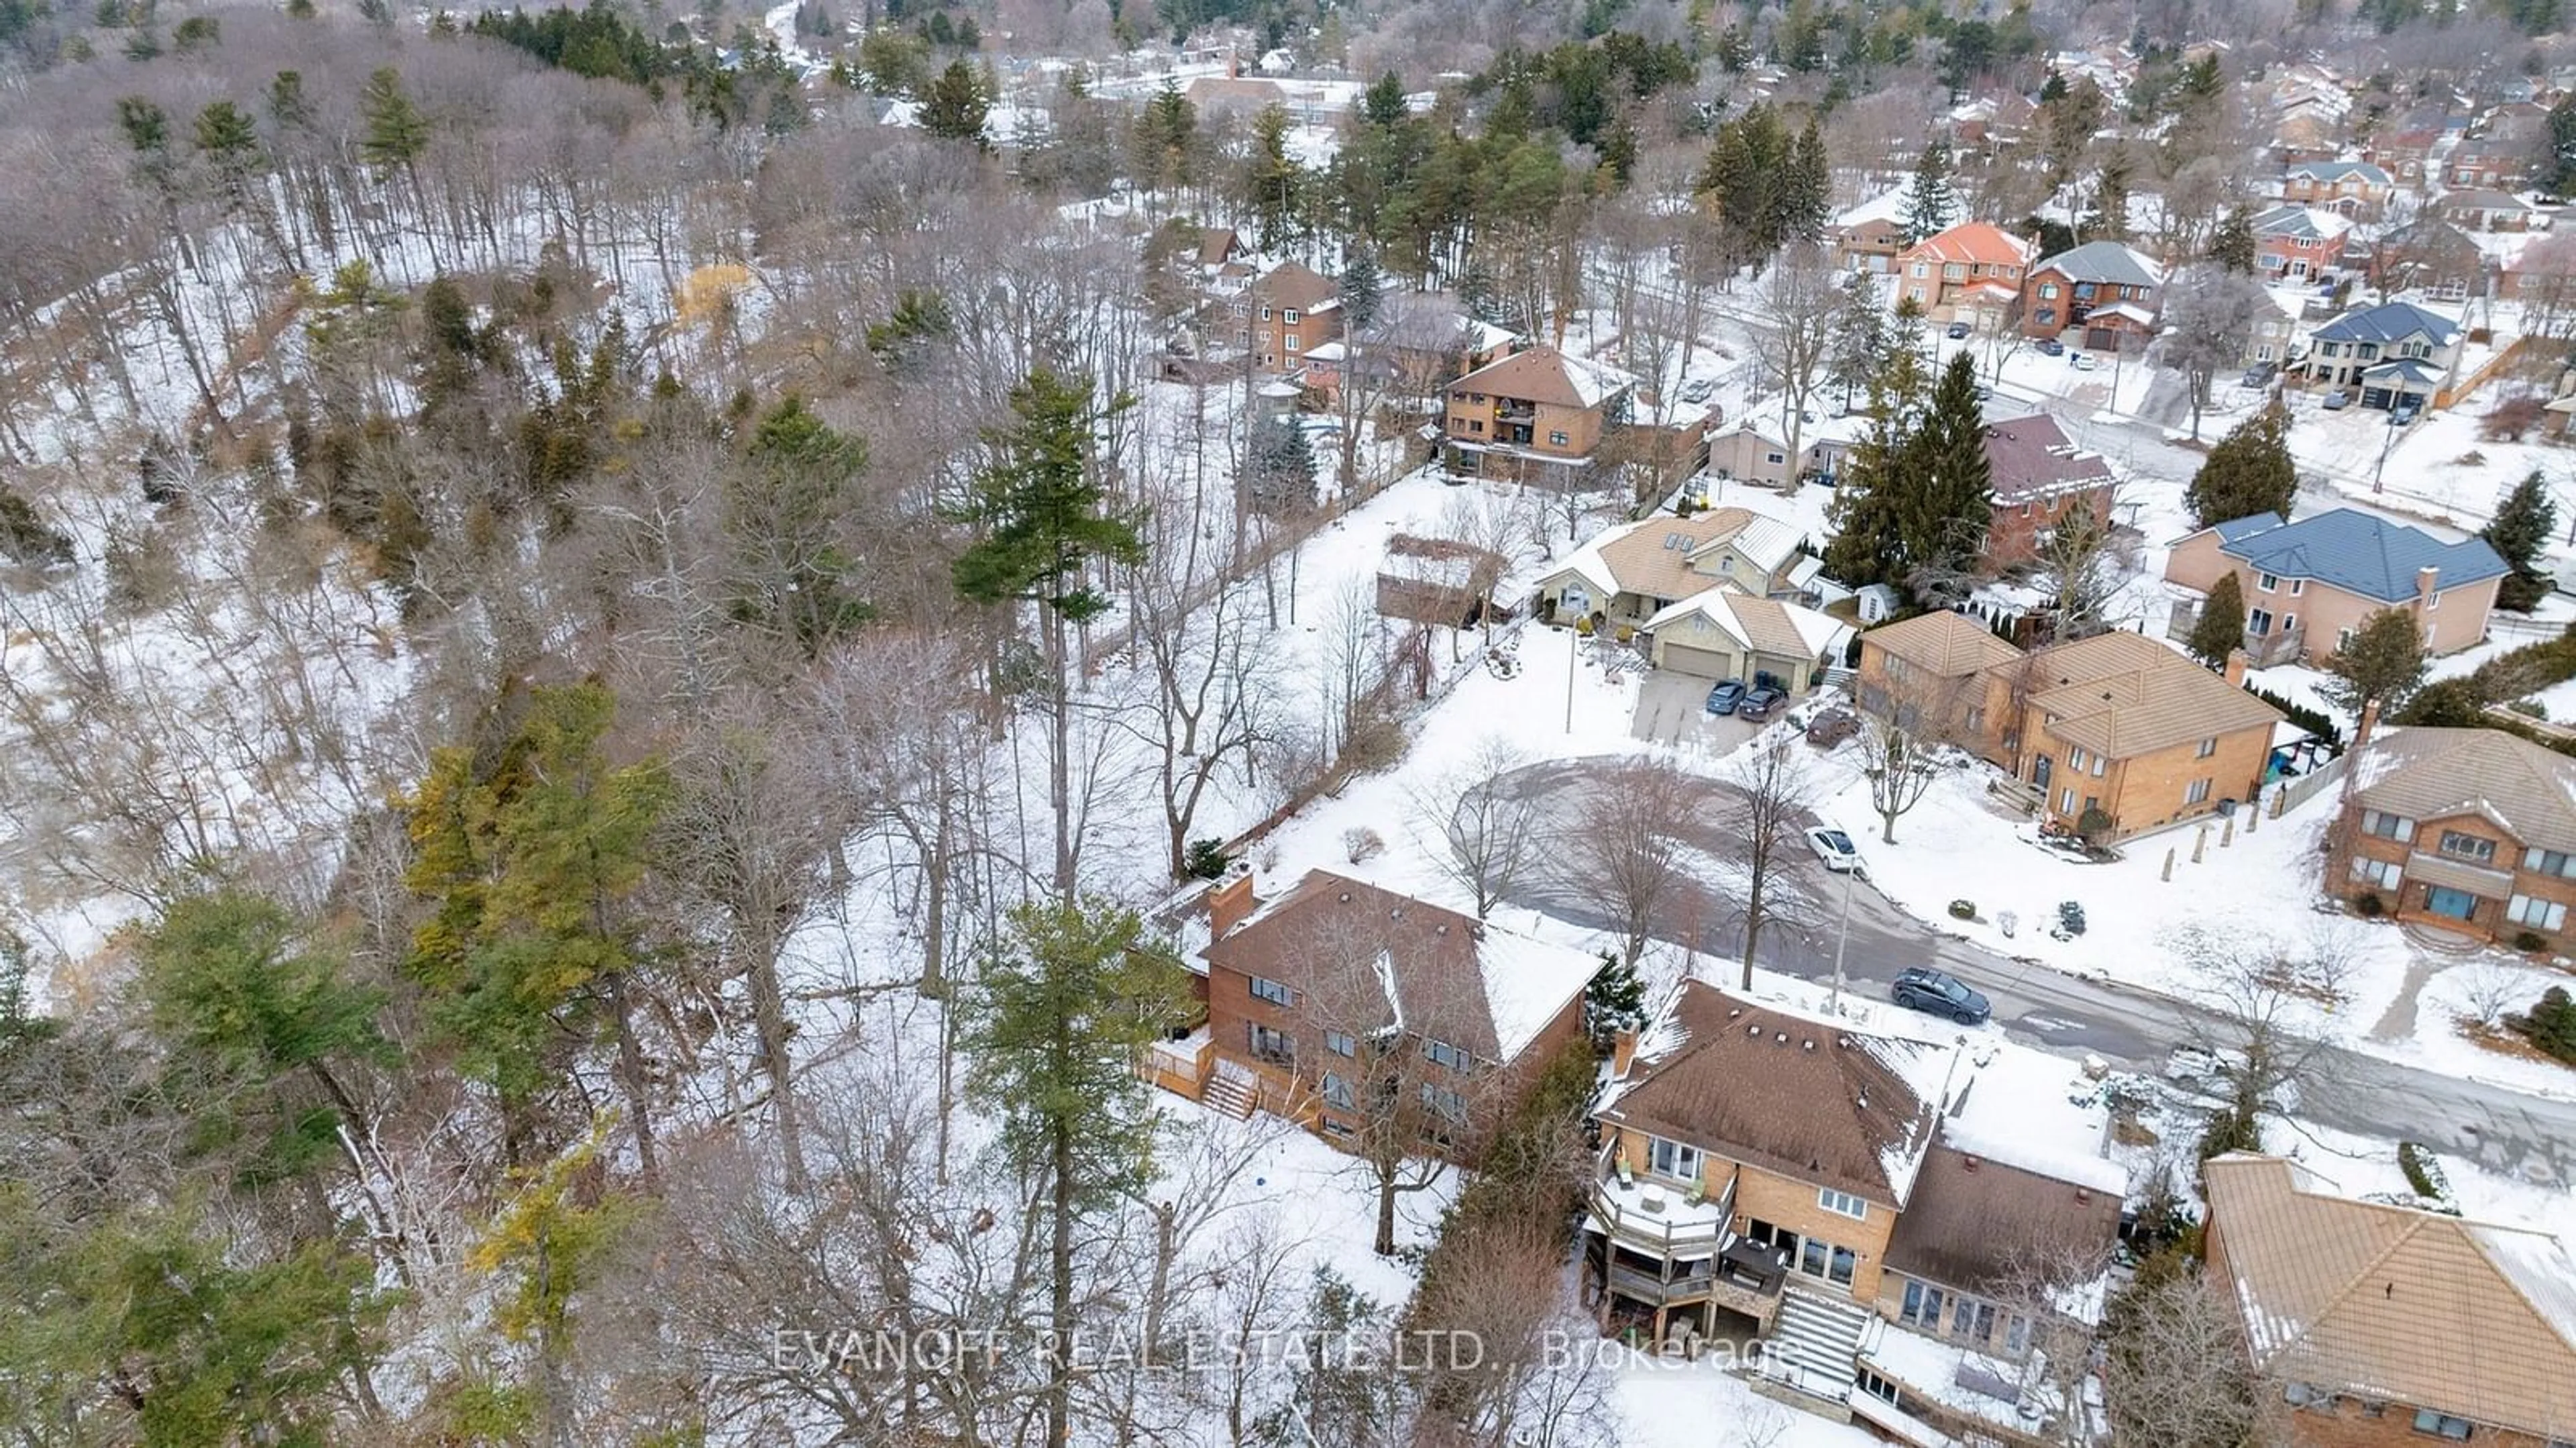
(1842, 940)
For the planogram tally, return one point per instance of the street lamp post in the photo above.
(1842, 940)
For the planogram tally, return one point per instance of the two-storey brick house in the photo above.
(2039, 476)
(1970, 273)
(2107, 293)
(2376, 1325)
(1285, 312)
(2352, 188)
(2472, 830)
(1339, 987)
(1535, 416)
(2298, 242)
(2309, 586)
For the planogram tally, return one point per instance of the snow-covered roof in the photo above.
(2330, 172)
(1766, 625)
(2302, 222)
(2037, 1112)
(2421, 772)
(2105, 261)
(2390, 322)
(1888, 205)
(1541, 373)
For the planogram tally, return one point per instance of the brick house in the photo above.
(1721, 633)
(2117, 723)
(2348, 187)
(1970, 273)
(2297, 242)
(1868, 237)
(2472, 830)
(1535, 416)
(2487, 164)
(2382, 1324)
(2320, 578)
(2391, 352)
(2430, 256)
(1282, 313)
(1762, 1167)
(1627, 574)
(2067, 291)
(1314, 992)
(2483, 208)
(2038, 475)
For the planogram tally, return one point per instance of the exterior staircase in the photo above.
(1813, 1346)
(1232, 1090)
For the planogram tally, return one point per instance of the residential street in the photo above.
(2526, 1136)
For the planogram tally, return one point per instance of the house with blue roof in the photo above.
(2392, 353)
(2311, 584)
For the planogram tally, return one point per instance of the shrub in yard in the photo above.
(2552, 1024)
(1583, 626)
(2093, 827)
(1206, 859)
(2527, 941)
(2369, 904)
(2423, 1173)
(2231, 1130)
(1963, 909)
(1362, 844)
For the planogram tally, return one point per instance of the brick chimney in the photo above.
(2425, 579)
(1230, 903)
(1623, 1052)
(2236, 662)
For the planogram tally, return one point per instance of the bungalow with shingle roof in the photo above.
(1720, 633)
(2309, 585)
(1630, 573)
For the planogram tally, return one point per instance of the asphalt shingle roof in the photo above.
(2300, 221)
(2333, 171)
(2390, 322)
(2426, 773)
(2105, 261)
(2358, 553)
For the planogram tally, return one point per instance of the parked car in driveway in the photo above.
(1834, 848)
(2260, 374)
(2051, 347)
(2338, 400)
(1760, 703)
(2082, 361)
(1698, 391)
(1832, 727)
(2403, 413)
(1726, 697)
(1958, 330)
(1941, 994)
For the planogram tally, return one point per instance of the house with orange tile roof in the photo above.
(1970, 273)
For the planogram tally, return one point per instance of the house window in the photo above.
(1876, 1386)
(1842, 1204)
(1773, 458)
(1294, 342)
(2468, 847)
(2075, 758)
(2017, 1336)
(2098, 763)
(1340, 1043)
(2258, 622)
(1976, 719)
(1919, 273)
(2048, 293)
(1444, 1103)
(2298, 586)
(2441, 1425)
(2433, 603)
(2289, 623)
(1672, 1159)
(2343, 639)
(2387, 826)
(1557, 439)
(1265, 314)
(2386, 874)
(1269, 990)
(1337, 1091)
(1845, 1262)
(2197, 793)
(2066, 801)
(1289, 315)
(1273, 1046)
(2538, 914)
(2549, 862)
(1442, 1053)
(2268, 582)
(1922, 1307)
(2208, 747)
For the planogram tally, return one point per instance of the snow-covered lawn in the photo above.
(2259, 885)
(2438, 468)
(2477, 992)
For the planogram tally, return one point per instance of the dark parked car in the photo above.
(1759, 704)
(2403, 413)
(2260, 374)
(1832, 727)
(1726, 697)
(1942, 995)
(2051, 347)
(1958, 330)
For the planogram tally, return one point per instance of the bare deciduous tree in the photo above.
(1774, 791)
(1484, 824)
(1800, 303)
(1902, 751)
(2178, 1373)
(1630, 827)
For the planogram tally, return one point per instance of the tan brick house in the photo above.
(1766, 1165)
(1625, 575)
(2388, 1325)
(2309, 585)
(2117, 723)
(2472, 830)
(1970, 273)
(1536, 415)
(1307, 993)
(1284, 313)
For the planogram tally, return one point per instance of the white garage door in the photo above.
(1700, 663)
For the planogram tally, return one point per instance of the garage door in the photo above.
(1699, 663)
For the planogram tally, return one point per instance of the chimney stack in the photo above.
(1230, 902)
(1623, 1052)
(2369, 721)
(2425, 579)
(2236, 662)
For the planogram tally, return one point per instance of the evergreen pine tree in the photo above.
(2384, 664)
(2109, 219)
(2518, 533)
(1931, 206)
(1361, 288)
(1071, 995)
(1807, 188)
(955, 106)
(395, 132)
(2248, 472)
(1868, 507)
(1860, 335)
(1274, 185)
(1945, 498)
(2231, 243)
(2221, 625)
(1279, 468)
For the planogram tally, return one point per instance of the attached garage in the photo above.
(1697, 662)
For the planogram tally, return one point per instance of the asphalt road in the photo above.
(2529, 1137)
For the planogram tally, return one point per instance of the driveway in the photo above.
(1673, 709)
(2526, 1136)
